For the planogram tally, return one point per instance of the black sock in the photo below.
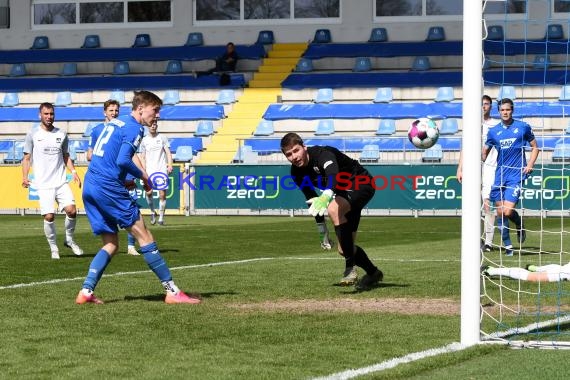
(344, 235)
(515, 218)
(361, 259)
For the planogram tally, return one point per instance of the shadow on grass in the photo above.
(352, 290)
(160, 297)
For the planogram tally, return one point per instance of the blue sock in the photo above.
(156, 262)
(515, 218)
(130, 239)
(96, 269)
(503, 225)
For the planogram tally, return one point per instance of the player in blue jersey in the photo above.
(109, 205)
(509, 138)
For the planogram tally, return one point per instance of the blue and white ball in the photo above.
(423, 133)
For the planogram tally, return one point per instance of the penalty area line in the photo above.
(391, 363)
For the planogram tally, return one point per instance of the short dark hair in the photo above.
(290, 139)
(46, 105)
(505, 101)
(487, 98)
(143, 97)
(111, 102)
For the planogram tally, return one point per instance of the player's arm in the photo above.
(26, 170)
(168, 159)
(459, 173)
(533, 156)
(68, 161)
(328, 162)
(487, 147)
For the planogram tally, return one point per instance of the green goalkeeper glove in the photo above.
(326, 244)
(319, 204)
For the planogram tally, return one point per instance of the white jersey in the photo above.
(490, 164)
(47, 150)
(154, 151)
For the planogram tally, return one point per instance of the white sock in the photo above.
(161, 208)
(489, 228)
(170, 287)
(150, 202)
(49, 231)
(69, 228)
(516, 273)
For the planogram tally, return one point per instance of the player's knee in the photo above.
(49, 217)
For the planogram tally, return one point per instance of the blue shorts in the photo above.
(108, 205)
(509, 192)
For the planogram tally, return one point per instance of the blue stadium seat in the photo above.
(362, 64)
(265, 37)
(554, 32)
(171, 97)
(18, 70)
(386, 127)
(324, 127)
(304, 65)
(40, 42)
(142, 40)
(449, 127)
(264, 128)
(245, 155)
(541, 62)
(564, 93)
(183, 153)
(507, 92)
(322, 36)
(226, 97)
(436, 33)
(433, 154)
(173, 66)
(495, 32)
(195, 142)
(378, 35)
(324, 95)
(561, 153)
(91, 41)
(89, 128)
(370, 153)
(567, 131)
(421, 63)
(11, 99)
(69, 69)
(121, 68)
(63, 99)
(118, 95)
(205, 128)
(444, 94)
(16, 154)
(383, 95)
(195, 39)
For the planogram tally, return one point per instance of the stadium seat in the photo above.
(171, 97)
(444, 94)
(433, 154)
(142, 40)
(383, 95)
(205, 128)
(121, 68)
(226, 97)
(362, 64)
(386, 127)
(507, 92)
(63, 99)
(370, 153)
(486, 63)
(322, 36)
(421, 64)
(495, 32)
(554, 32)
(69, 69)
(18, 70)
(324, 127)
(378, 35)
(541, 62)
(324, 95)
(195, 39)
(118, 95)
(40, 42)
(564, 93)
(11, 99)
(265, 37)
(304, 65)
(173, 67)
(264, 128)
(16, 154)
(183, 154)
(245, 155)
(567, 131)
(561, 153)
(436, 33)
(89, 128)
(449, 127)
(91, 41)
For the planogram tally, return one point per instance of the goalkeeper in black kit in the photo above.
(346, 190)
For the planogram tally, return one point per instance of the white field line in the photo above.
(391, 363)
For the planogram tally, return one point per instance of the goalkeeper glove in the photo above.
(319, 204)
(326, 244)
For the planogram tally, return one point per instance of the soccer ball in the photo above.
(423, 133)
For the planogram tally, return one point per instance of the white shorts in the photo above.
(159, 176)
(487, 181)
(62, 195)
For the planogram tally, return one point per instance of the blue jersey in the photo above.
(510, 142)
(95, 132)
(104, 162)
